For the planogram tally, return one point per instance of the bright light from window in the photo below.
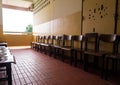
(16, 20)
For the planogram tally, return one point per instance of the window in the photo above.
(16, 20)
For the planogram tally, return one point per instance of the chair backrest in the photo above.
(52, 38)
(37, 38)
(67, 40)
(107, 41)
(117, 44)
(107, 37)
(57, 40)
(91, 41)
(42, 39)
(79, 39)
(47, 39)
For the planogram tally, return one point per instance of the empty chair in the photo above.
(34, 42)
(114, 57)
(67, 48)
(38, 44)
(91, 44)
(52, 41)
(48, 45)
(78, 49)
(44, 46)
(57, 45)
(105, 46)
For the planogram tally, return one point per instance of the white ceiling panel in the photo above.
(20, 3)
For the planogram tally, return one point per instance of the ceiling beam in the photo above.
(15, 7)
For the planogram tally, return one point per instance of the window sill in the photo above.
(17, 33)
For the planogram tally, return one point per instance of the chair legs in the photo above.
(102, 69)
(56, 52)
(105, 70)
(63, 55)
(85, 62)
(71, 57)
(75, 58)
(95, 61)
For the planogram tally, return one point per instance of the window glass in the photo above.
(16, 20)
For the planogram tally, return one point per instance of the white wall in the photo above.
(57, 9)
(66, 7)
(0, 12)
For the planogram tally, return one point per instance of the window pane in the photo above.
(16, 20)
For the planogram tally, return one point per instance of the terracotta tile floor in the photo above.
(35, 68)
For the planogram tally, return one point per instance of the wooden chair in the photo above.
(52, 41)
(38, 44)
(91, 44)
(104, 47)
(57, 45)
(78, 39)
(67, 47)
(44, 46)
(48, 45)
(114, 57)
(34, 42)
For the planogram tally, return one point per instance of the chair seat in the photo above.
(78, 49)
(66, 48)
(37, 43)
(56, 46)
(113, 56)
(44, 44)
(32, 42)
(94, 53)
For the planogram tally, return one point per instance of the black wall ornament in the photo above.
(99, 12)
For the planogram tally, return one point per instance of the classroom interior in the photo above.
(40, 62)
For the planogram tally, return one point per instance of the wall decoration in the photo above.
(99, 16)
(99, 12)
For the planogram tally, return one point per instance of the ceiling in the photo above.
(18, 3)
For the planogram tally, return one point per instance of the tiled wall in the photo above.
(1, 34)
(60, 18)
(64, 25)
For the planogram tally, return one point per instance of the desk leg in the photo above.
(9, 74)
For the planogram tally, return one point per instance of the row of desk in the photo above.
(6, 59)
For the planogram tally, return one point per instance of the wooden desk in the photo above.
(6, 58)
(3, 44)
